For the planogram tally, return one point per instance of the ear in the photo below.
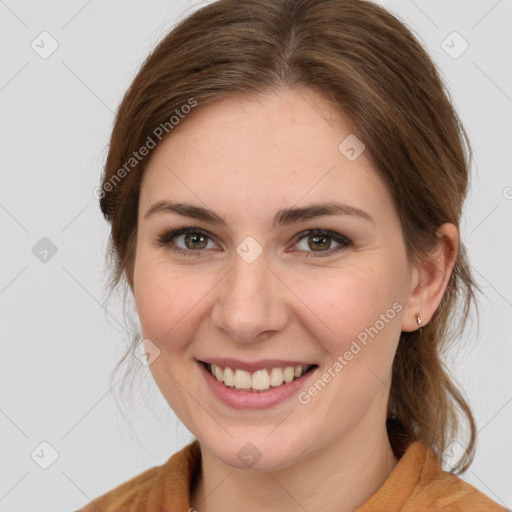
(429, 279)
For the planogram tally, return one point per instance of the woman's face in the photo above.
(260, 291)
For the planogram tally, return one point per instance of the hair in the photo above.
(370, 67)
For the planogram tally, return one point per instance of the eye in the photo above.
(194, 240)
(319, 240)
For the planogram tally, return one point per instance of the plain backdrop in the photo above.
(60, 339)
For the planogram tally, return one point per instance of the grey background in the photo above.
(60, 339)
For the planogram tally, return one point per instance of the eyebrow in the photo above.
(282, 217)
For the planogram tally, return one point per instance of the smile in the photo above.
(259, 380)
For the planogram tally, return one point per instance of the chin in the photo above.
(258, 452)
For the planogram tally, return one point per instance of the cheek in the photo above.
(357, 321)
(345, 302)
(168, 299)
(152, 297)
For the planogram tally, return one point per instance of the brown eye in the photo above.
(195, 241)
(187, 241)
(319, 241)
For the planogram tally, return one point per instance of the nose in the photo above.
(250, 302)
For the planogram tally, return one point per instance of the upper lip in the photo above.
(252, 366)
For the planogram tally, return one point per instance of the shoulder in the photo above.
(418, 483)
(126, 493)
(448, 492)
(165, 485)
(439, 490)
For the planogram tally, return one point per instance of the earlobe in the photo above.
(430, 279)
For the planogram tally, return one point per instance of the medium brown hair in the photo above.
(369, 66)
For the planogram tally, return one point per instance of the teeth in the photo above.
(260, 380)
(276, 377)
(217, 373)
(288, 373)
(229, 377)
(242, 379)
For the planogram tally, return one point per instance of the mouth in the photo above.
(260, 380)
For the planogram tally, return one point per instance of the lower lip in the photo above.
(239, 399)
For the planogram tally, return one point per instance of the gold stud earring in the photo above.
(418, 318)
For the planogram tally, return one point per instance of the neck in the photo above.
(346, 473)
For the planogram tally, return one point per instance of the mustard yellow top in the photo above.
(416, 484)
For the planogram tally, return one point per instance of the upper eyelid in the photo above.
(297, 237)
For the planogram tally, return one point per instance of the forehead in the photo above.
(275, 150)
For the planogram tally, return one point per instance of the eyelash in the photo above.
(165, 238)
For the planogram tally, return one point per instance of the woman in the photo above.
(285, 183)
